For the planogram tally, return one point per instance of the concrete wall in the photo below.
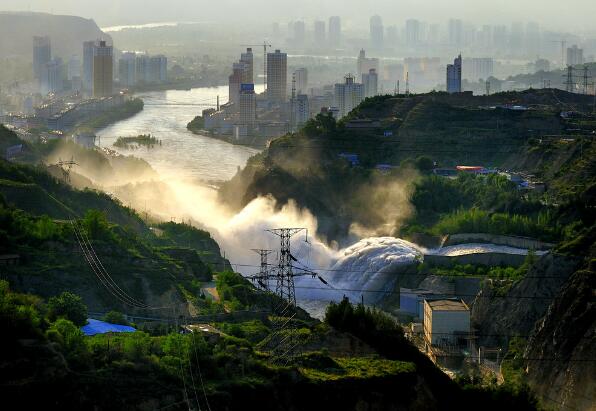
(488, 259)
(512, 241)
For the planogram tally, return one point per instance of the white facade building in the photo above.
(446, 321)
(348, 95)
(371, 83)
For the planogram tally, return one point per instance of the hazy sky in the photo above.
(573, 15)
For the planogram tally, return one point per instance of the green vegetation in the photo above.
(69, 306)
(128, 109)
(196, 125)
(135, 142)
(115, 317)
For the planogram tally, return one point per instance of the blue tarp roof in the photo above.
(100, 327)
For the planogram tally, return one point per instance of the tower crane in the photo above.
(264, 45)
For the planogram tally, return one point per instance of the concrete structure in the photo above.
(412, 32)
(299, 33)
(301, 110)
(248, 60)
(478, 68)
(348, 95)
(248, 106)
(277, 76)
(334, 31)
(103, 70)
(234, 82)
(454, 72)
(52, 76)
(446, 322)
(365, 64)
(127, 69)
(575, 56)
(411, 301)
(74, 67)
(151, 69)
(88, 53)
(319, 33)
(370, 81)
(377, 32)
(42, 54)
(301, 77)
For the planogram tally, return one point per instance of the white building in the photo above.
(446, 322)
(51, 80)
(301, 109)
(319, 29)
(370, 81)
(377, 32)
(334, 31)
(575, 56)
(88, 53)
(348, 95)
(248, 106)
(454, 76)
(127, 69)
(478, 68)
(301, 78)
(365, 64)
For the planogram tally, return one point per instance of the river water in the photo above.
(182, 153)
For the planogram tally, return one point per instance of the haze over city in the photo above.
(278, 205)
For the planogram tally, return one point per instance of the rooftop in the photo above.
(448, 305)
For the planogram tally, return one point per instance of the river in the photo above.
(182, 153)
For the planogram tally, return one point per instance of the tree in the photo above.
(115, 317)
(68, 305)
(424, 164)
(95, 223)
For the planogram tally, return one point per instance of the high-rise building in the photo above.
(301, 78)
(364, 64)
(478, 68)
(377, 32)
(370, 81)
(334, 31)
(301, 108)
(158, 69)
(277, 76)
(412, 32)
(248, 60)
(319, 29)
(74, 67)
(299, 34)
(88, 53)
(454, 76)
(248, 105)
(42, 54)
(392, 35)
(541, 65)
(103, 70)
(575, 56)
(456, 32)
(127, 69)
(348, 95)
(52, 77)
(235, 81)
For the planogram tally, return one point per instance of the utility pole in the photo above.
(569, 81)
(586, 79)
(487, 88)
(66, 166)
(407, 83)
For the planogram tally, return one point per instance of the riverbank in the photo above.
(109, 117)
(196, 126)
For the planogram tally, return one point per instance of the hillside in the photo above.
(67, 33)
(449, 130)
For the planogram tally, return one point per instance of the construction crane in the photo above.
(563, 43)
(264, 45)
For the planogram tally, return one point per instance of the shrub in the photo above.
(68, 305)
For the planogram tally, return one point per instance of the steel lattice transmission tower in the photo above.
(66, 166)
(284, 339)
(262, 278)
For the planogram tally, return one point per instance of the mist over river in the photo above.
(182, 153)
(368, 268)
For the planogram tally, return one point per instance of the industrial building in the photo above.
(446, 322)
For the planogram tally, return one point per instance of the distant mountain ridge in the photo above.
(67, 33)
